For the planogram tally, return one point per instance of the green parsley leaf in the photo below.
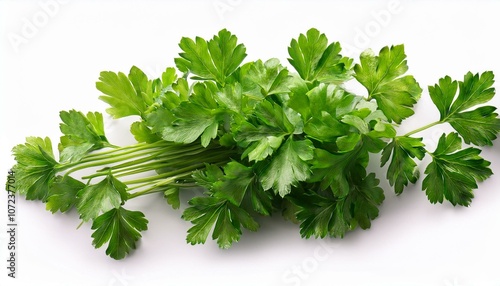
(206, 178)
(99, 198)
(382, 76)
(453, 173)
(333, 170)
(233, 186)
(325, 128)
(205, 212)
(172, 196)
(479, 126)
(288, 167)
(322, 216)
(264, 132)
(270, 76)
(142, 133)
(120, 228)
(322, 108)
(212, 60)
(231, 98)
(237, 184)
(403, 168)
(63, 194)
(314, 59)
(82, 134)
(120, 94)
(135, 94)
(36, 167)
(260, 142)
(364, 199)
(192, 122)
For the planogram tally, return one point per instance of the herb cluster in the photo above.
(259, 139)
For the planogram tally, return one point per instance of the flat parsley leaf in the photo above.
(99, 198)
(262, 134)
(212, 60)
(226, 219)
(288, 167)
(382, 76)
(454, 173)
(82, 134)
(36, 167)
(63, 194)
(314, 59)
(479, 126)
(333, 170)
(322, 215)
(172, 196)
(142, 133)
(238, 184)
(133, 94)
(403, 168)
(269, 76)
(120, 94)
(192, 122)
(120, 228)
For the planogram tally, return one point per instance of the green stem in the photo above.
(155, 161)
(164, 182)
(423, 128)
(161, 164)
(96, 162)
(189, 170)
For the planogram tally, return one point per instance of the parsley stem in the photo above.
(169, 162)
(160, 145)
(177, 158)
(161, 180)
(423, 128)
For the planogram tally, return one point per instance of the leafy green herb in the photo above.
(454, 173)
(120, 228)
(256, 138)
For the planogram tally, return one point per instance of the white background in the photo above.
(51, 53)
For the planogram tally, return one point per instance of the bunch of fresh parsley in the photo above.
(258, 139)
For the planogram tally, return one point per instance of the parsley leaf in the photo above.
(321, 109)
(322, 215)
(120, 228)
(454, 173)
(288, 167)
(120, 94)
(403, 168)
(36, 167)
(333, 170)
(314, 59)
(270, 76)
(133, 94)
(142, 133)
(238, 184)
(382, 76)
(172, 196)
(233, 186)
(192, 122)
(99, 198)
(212, 60)
(264, 132)
(225, 218)
(480, 126)
(82, 134)
(63, 194)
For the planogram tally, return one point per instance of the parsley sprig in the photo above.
(258, 138)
